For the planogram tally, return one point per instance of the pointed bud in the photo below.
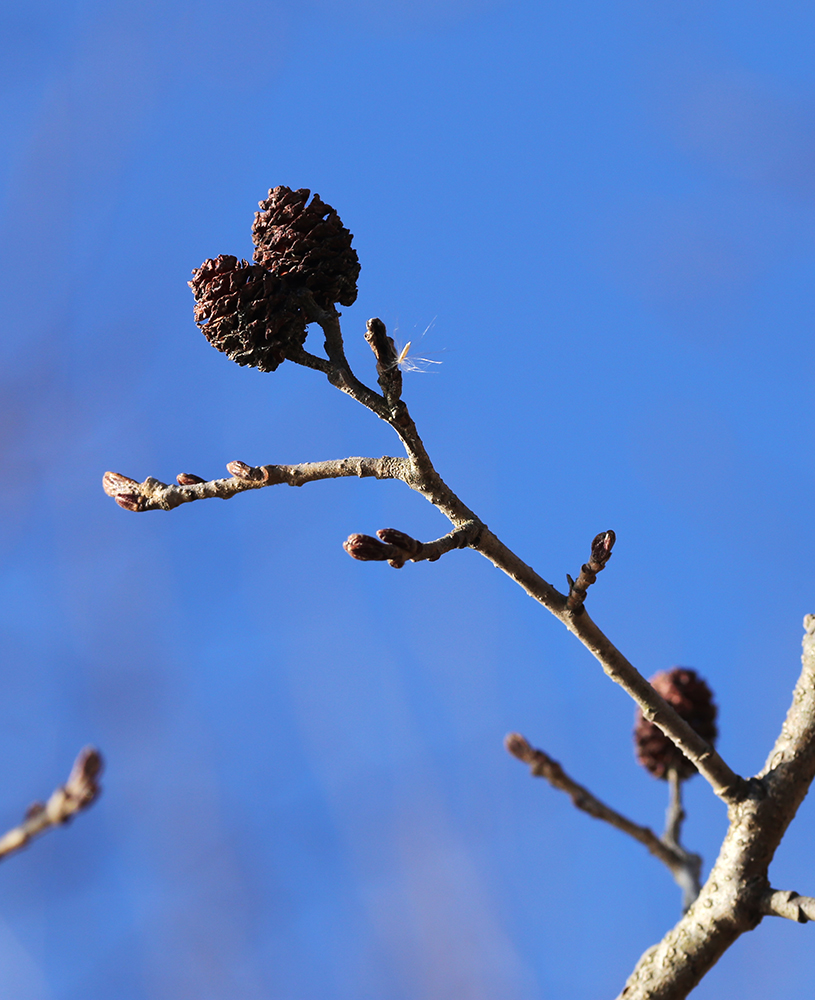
(518, 746)
(82, 782)
(130, 501)
(392, 536)
(601, 548)
(113, 483)
(366, 548)
(248, 473)
(188, 479)
(387, 369)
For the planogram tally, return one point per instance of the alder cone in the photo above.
(692, 699)
(306, 244)
(246, 312)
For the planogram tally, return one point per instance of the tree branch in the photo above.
(776, 903)
(737, 893)
(543, 766)
(155, 495)
(79, 791)
(728, 785)
(688, 876)
(397, 548)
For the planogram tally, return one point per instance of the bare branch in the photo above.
(728, 785)
(543, 766)
(600, 554)
(688, 876)
(155, 495)
(78, 792)
(397, 548)
(675, 814)
(777, 903)
(737, 894)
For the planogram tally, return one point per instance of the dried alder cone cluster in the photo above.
(252, 312)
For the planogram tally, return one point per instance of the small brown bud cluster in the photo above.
(252, 312)
(692, 699)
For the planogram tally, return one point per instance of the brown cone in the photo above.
(692, 699)
(246, 312)
(306, 244)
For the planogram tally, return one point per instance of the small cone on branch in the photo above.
(306, 244)
(246, 312)
(692, 699)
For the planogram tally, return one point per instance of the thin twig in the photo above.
(152, 494)
(397, 548)
(601, 548)
(675, 813)
(418, 473)
(543, 766)
(688, 875)
(728, 785)
(78, 792)
(778, 903)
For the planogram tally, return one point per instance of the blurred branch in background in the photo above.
(80, 790)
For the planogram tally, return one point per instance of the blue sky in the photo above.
(608, 209)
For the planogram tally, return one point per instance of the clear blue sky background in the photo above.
(608, 208)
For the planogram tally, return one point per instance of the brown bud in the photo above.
(389, 375)
(188, 479)
(82, 782)
(601, 548)
(114, 483)
(248, 473)
(35, 809)
(366, 548)
(692, 699)
(392, 536)
(130, 501)
(518, 746)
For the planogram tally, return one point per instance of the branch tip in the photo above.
(601, 547)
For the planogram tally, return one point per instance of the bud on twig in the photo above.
(188, 479)
(248, 473)
(113, 483)
(366, 548)
(130, 501)
(519, 747)
(389, 375)
(392, 536)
